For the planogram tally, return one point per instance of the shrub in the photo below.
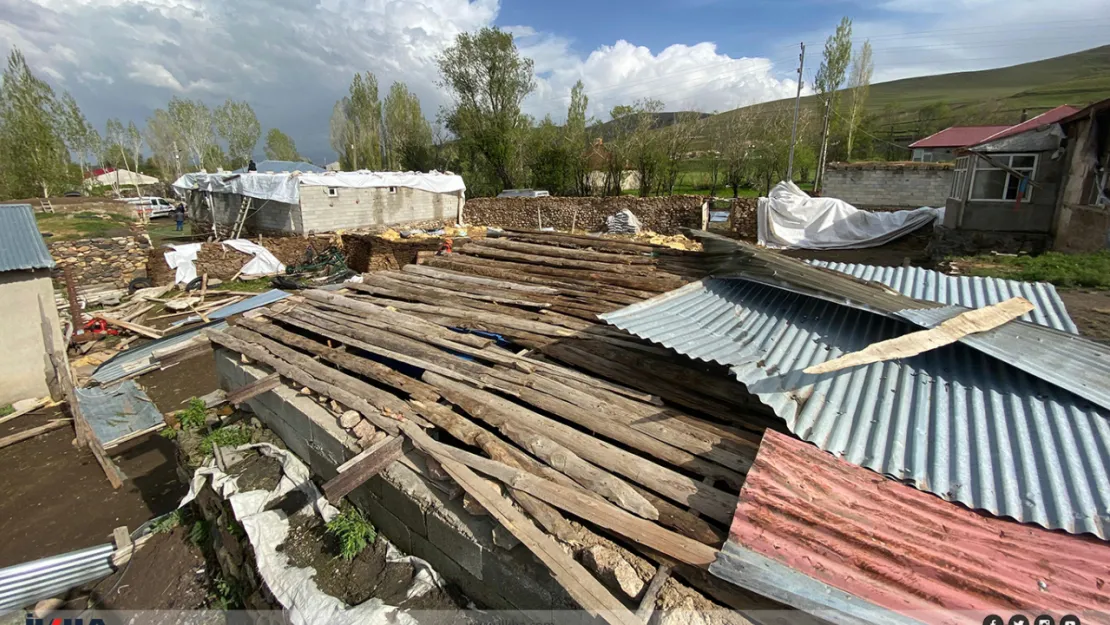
(353, 532)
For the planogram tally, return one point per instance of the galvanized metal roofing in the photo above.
(953, 421)
(966, 291)
(21, 245)
(816, 522)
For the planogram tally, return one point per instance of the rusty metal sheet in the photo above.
(903, 550)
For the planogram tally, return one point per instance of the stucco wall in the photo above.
(359, 208)
(1083, 228)
(1033, 216)
(889, 185)
(24, 367)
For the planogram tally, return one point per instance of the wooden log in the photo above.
(42, 403)
(332, 385)
(468, 291)
(552, 251)
(254, 389)
(395, 319)
(19, 437)
(716, 504)
(481, 249)
(362, 366)
(647, 602)
(596, 511)
(566, 286)
(547, 237)
(572, 576)
(364, 466)
(133, 327)
(508, 285)
(656, 283)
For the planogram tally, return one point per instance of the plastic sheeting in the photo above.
(263, 264)
(285, 187)
(117, 411)
(267, 529)
(790, 218)
(181, 259)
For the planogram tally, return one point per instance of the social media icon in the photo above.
(1069, 619)
(993, 619)
(1018, 619)
(1044, 619)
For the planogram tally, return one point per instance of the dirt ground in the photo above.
(1090, 310)
(909, 249)
(57, 499)
(167, 573)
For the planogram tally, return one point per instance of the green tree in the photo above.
(165, 144)
(577, 140)
(280, 147)
(127, 143)
(236, 123)
(192, 125)
(676, 140)
(637, 143)
(830, 76)
(549, 159)
(489, 79)
(408, 134)
(213, 157)
(33, 154)
(860, 83)
(356, 125)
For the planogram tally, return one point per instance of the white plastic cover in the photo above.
(267, 529)
(181, 258)
(264, 263)
(790, 218)
(285, 187)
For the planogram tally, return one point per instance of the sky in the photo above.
(292, 59)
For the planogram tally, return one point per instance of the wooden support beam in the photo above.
(133, 327)
(362, 467)
(254, 389)
(19, 437)
(647, 602)
(42, 403)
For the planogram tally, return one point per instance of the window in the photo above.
(959, 178)
(918, 154)
(333, 192)
(993, 183)
(392, 189)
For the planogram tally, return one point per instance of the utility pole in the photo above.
(824, 148)
(797, 106)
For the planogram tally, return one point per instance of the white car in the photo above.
(153, 206)
(523, 193)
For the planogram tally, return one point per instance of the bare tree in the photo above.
(192, 122)
(734, 143)
(129, 143)
(859, 81)
(162, 138)
(676, 140)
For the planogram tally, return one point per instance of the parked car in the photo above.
(72, 194)
(154, 207)
(523, 193)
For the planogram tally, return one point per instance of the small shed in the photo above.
(31, 332)
(941, 146)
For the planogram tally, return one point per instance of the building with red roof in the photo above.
(942, 146)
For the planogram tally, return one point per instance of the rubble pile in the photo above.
(220, 261)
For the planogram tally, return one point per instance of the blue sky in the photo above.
(292, 59)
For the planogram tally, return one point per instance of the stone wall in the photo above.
(376, 253)
(889, 185)
(743, 219)
(665, 215)
(222, 262)
(115, 260)
(959, 242)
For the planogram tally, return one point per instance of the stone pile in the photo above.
(745, 225)
(664, 215)
(115, 260)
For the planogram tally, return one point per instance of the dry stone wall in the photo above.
(115, 260)
(665, 215)
(745, 225)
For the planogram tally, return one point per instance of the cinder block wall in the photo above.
(270, 218)
(421, 516)
(359, 208)
(889, 185)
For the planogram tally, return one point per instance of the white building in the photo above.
(292, 203)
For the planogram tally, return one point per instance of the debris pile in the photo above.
(623, 222)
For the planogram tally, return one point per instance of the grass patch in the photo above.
(167, 523)
(198, 533)
(6, 410)
(1066, 270)
(83, 225)
(353, 532)
(231, 436)
(164, 230)
(258, 285)
(193, 416)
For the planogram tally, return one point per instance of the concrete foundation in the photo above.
(420, 515)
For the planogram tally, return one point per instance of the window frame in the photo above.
(981, 164)
(959, 177)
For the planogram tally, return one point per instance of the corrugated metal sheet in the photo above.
(114, 412)
(896, 549)
(24, 584)
(953, 421)
(966, 291)
(257, 301)
(957, 137)
(21, 245)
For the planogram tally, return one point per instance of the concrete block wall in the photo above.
(359, 208)
(889, 185)
(419, 515)
(270, 218)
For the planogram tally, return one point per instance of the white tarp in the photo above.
(285, 187)
(267, 527)
(790, 218)
(181, 258)
(263, 264)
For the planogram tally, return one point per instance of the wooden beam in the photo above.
(647, 602)
(42, 403)
(362, 467)
(19, 437)
(133, 327)
(914, 343)
(572, 576)
(254, 389)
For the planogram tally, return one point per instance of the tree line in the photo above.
(483, 134)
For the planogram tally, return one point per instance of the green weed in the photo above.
(192, 417)
(168, 433)
(1066, 270)
(6, 410)
(353, 532)
(167, 523)
(226, 594)
(232, 436)
(198, 533)
(259, 285)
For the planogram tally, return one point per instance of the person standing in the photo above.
(179, 214)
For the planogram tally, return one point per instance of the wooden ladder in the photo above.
(241, 218)
(46, 206)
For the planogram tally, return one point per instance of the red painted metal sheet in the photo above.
(1048, 117)
(957, 137)
(906, 550)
